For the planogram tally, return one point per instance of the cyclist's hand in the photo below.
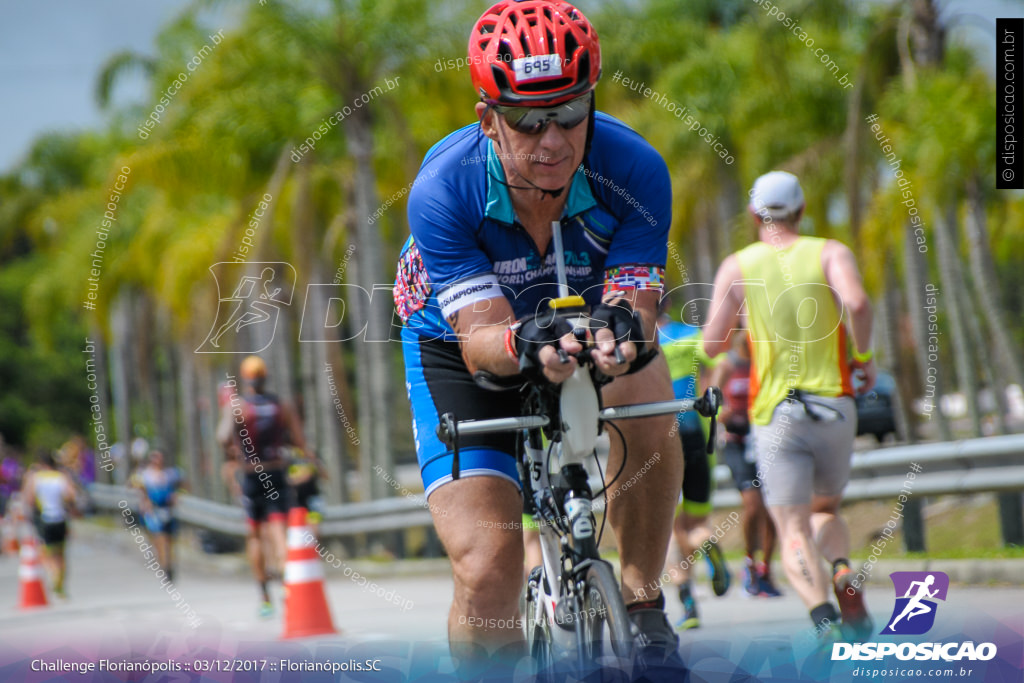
(603, 353)
(555, 371)
(867, 372)
(537, 340)
(617, 325)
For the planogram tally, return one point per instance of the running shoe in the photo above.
(266, 610)
(765, 587)
(690, 617)
(751, 579)
(720, 577)
(857, 624)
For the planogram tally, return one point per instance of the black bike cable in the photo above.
(604, 491)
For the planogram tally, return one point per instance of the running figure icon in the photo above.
(917, 595)
(916, 606)
(246, 320)
(257, 305)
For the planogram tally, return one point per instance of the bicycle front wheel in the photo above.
(538, 631)
(606, 626)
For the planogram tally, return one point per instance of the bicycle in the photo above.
(574, 603)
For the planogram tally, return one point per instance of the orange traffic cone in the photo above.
(305, 604)
(33, 594)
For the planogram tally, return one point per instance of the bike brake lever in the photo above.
(708, 406)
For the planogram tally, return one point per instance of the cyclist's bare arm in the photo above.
(726, 302)
(842, 275)
(481, 329)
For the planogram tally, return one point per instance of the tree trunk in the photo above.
(888, 334)
(376, 391)
(191, 447)
(121, 395)
(931, 371)
(983, 270)
(103, 400)
(949, 268)
(333, 441)
(730, 204)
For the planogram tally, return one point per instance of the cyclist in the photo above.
(733, 375)
(681, 344)
(51, 494)
(158, 485)
(480, 263)
(255, 428)
(802, 404)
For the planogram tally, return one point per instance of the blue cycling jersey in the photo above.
(466, 244)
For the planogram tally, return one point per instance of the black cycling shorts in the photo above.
(266, 499)
(53, 533)
(438, 382)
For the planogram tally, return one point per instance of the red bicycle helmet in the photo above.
(533, 53)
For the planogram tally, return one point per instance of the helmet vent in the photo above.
(504, 53)
(546, 85)
(524, 40)
(570, 46)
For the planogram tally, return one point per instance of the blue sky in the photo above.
(51, 52)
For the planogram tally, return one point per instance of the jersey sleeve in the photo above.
(458, 271)
(643, 201)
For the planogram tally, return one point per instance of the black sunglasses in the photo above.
(535, 120)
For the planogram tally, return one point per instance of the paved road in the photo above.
(118, 609)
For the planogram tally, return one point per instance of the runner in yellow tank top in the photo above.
(800, 294)
(796, 328)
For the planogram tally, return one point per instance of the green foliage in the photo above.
(271, 82)
(44, 398)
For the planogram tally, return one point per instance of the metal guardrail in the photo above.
(990, 464)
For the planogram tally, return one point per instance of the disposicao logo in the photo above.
(914, 615)
(916, 592)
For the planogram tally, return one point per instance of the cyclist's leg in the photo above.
(477, 520)
(642, 515)
(477, 517)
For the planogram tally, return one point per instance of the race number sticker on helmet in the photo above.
(538, 66)
(468, 292)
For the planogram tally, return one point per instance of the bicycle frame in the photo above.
(563, 499)
(570, 415)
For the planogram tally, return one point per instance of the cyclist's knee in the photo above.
(487, 580)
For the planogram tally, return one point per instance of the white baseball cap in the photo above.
(776, 194)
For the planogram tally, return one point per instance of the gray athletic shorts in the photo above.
(797, 455)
